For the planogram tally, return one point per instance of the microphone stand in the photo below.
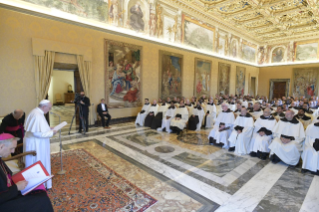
(61, 171)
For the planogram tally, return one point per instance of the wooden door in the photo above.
(279, 89)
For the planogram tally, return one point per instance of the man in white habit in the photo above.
(142, 115)
(210, 114)
(287, 143)
(257, 112)
(37, 137)
(222, 128)
(301, 116)
(239, 139)
(262, 135)
(168, 116)
(151, 114)
(196, 119)
(178, 123)
(310, 155)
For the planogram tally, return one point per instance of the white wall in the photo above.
(59, 83)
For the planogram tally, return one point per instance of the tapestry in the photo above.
(223, 78)
(306, 51)
(91, 9)
(202, 77)
(122, 74)
(240, 80)
(89, 185)
(196, 34)
(305, 81)
(171, 69)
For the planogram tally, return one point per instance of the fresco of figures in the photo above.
(277, 55)
(91, 9)
(240, 80)
(306, 51)
(248, 53)
(198, 35)
(223, 78)
(202, 77)
(123, 74)
(171, 69)
(305, 81)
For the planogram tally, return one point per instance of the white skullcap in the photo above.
(44, 102)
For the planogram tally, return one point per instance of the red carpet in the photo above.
(89, 185)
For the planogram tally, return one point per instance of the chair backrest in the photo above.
(58, 97)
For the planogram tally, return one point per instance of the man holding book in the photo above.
(10, 195)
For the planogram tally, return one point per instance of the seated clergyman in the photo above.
(168, 116)
(257, 111)
(287, 143)
(151, 114)
(222, 128)
(10, 195)
(143, 113)
(210, 114)
(181, 117)
(310, 155)
(301, 116)
(279, 113)
(157, 121)
(262, 135)
(196, 119)
(239, 139)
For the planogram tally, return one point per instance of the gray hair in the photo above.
(43, 104)
(6, 142)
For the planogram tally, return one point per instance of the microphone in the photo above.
(54, 114)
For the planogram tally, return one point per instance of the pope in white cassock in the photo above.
(210, 114)
(168, 116)
(37, 137)
(239, 139)
(310, 155)
(262, 135)
(289, 135)
(142, 115)
(222, 128)
(181, 117)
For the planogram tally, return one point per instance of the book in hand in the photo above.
(35, 174)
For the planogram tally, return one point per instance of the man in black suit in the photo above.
(84, 104)
(103, 112)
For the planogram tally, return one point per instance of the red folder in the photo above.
(19, 177)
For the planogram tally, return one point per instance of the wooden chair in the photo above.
(58, 98)
(15, 163)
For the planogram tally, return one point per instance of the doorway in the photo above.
(278, 88)
(65, 82)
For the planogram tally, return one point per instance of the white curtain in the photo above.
(43, 71)
(85, 70)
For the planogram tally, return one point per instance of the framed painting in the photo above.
(248, 52)
(307, 50)
(196, 34)
(305, 81)
(223, 78)
(202, 77)
(240, 80)
(170, 74)
(123, 74)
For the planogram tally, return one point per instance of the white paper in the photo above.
(33, 172)
(60, 126)
(35, 182)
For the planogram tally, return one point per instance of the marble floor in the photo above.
(185, 173)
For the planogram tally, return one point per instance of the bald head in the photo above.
(18, 113)
(224, 107)
(289, 115)
(267, 112)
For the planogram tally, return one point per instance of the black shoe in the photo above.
(212, 141)
(263, 156)
(231, 149)
(304, 170)
(253, 154)
(275, 159)
(219, 144)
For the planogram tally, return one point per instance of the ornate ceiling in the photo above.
(265, 21)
